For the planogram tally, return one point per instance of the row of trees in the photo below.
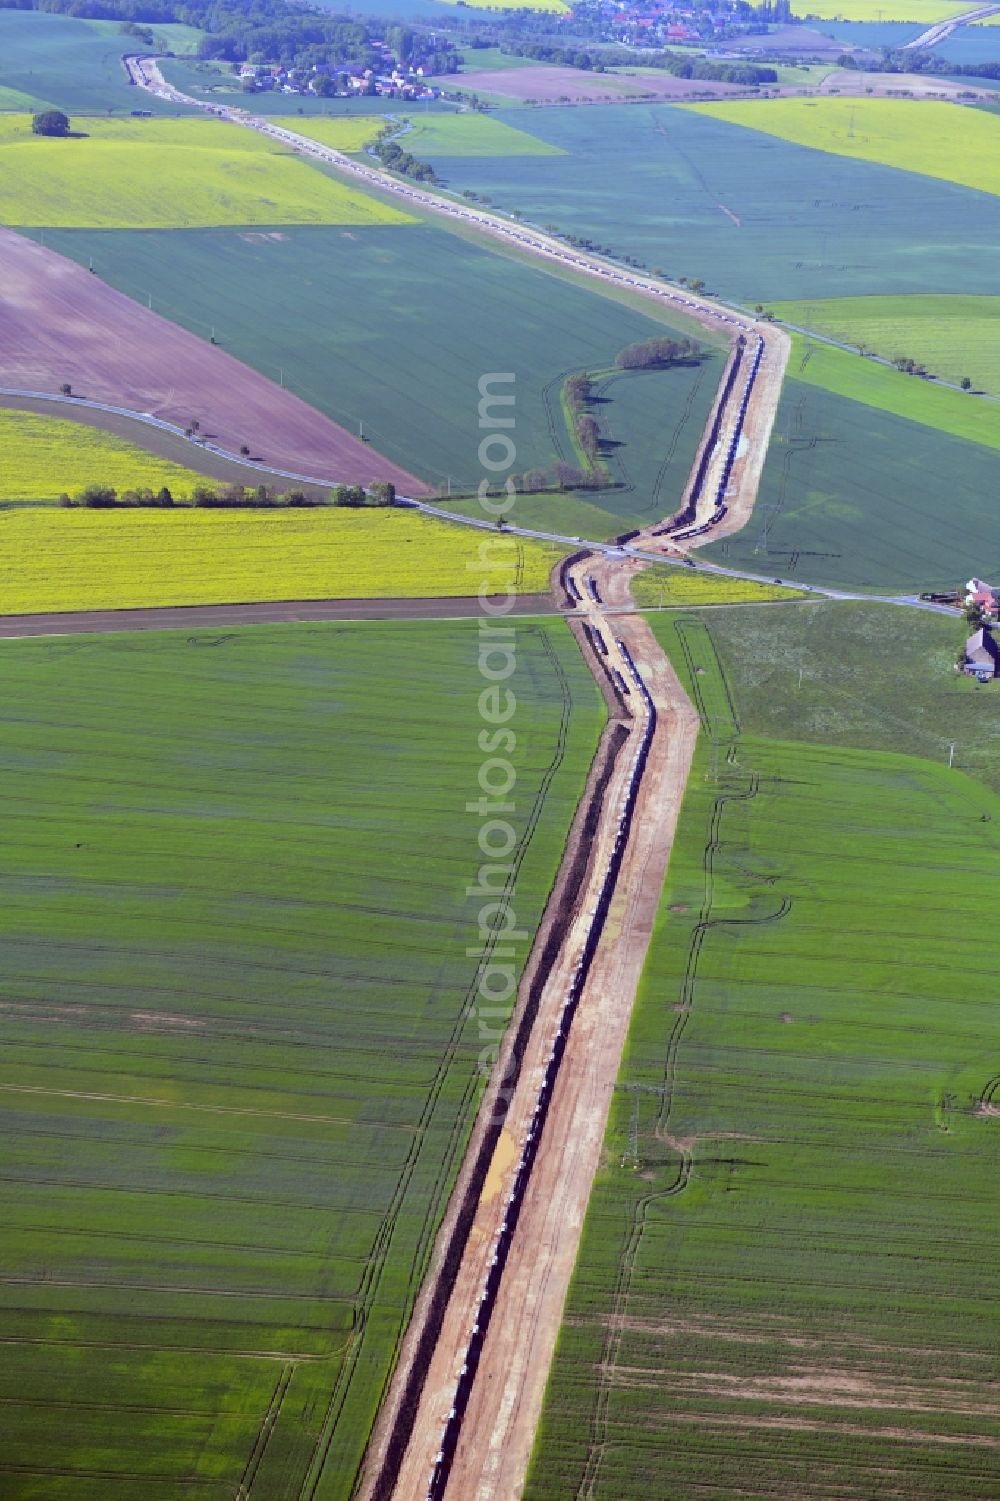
(657, 354)
(908, 366)
(748, 75)
(920, 61)
(99, 497)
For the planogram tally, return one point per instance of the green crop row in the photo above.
(784, 1283)
(239, 1062)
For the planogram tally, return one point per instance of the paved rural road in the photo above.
(942, 29)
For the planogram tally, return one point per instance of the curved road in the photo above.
(942, 29)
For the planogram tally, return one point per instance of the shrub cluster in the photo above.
(392, 156)
(654, 354)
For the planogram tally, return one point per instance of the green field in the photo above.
(927, 136)
(41, 457)
(650, 424)
(487, 60)
(785, 1282)
(952, 336)
(58, 61)
(471, 134)
(391, 327)
(959, 413)
(440, 134)
(168, 36)
(822, 672)
(807, 73)
(151, 174)
(856, 498)
(124, 559)
(753, 216)
(240, 1063)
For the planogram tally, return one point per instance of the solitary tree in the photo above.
(66, 388)
(50, 122)
(588, 434)
(966, 383)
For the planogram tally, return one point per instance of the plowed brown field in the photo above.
(58, 323)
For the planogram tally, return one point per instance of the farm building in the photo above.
(982, 656)
(978, 593)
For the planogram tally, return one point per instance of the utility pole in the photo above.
(951, 752)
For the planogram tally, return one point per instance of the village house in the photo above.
(982, 656)
(978, 593)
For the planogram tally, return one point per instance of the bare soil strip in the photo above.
(500, 1423)
(58, 323)
(195, 617)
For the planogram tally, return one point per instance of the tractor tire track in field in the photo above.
(487, 1450)
(706, 923)
(245, 1488)
(371, 1280)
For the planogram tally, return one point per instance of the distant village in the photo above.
(390, 81)
(653, 23)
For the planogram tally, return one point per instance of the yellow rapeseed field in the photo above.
(342, 132)
(168, 174)
(927, 136)
(40, 457)
(684, 586)
(90, 560)
(924, 12)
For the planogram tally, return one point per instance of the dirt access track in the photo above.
(498, 1428)
(59, 324)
